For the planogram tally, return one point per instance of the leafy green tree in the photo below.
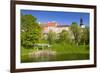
(30, 31)
(85, 36)
(64, 36)
(75, 29)
(51, 37)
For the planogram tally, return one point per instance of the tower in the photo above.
(81, 23)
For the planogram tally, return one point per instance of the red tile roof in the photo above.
(51, 24)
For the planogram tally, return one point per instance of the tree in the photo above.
(51, 37)
(64, 36)
(75, 29)
(30, 31)
(85, 36)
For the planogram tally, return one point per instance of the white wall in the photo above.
(5, 36)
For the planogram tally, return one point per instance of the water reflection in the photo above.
(48, 55)
(42, 55)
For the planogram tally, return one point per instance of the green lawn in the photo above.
(70, 48)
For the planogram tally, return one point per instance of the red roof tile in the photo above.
(51, 24)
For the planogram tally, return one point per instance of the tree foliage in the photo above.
(51, 37)
(75, 29)
(64, 36)
(85, 36)
(30, 31)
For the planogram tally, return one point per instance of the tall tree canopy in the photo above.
(64, 36)
(30, 31)
(51, 37)
(85, 36)
(75, 29)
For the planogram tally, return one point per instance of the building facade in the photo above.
(57, 28)
(54, 27)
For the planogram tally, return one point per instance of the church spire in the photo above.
(81, 21)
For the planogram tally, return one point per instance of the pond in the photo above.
(44, 56)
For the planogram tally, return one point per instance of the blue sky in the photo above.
(63, 18)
